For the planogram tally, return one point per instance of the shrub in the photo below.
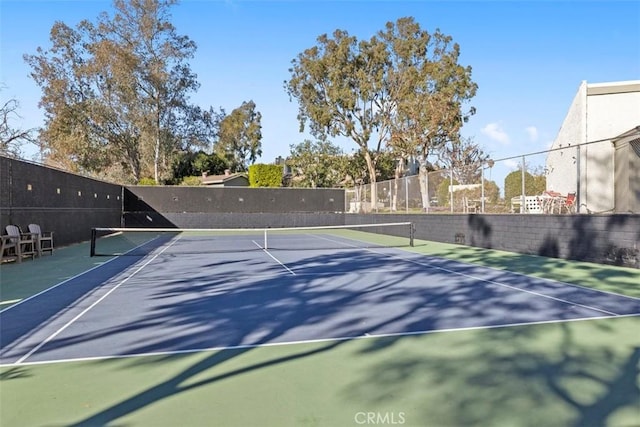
(147, 181)
(261, 175)
(191, 181)
(443, 191)
(533, 185)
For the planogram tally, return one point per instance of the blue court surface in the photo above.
(168, 301)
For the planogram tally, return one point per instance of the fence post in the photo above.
(578, 192)
(482, 189)
(406, 193)
(92, 249)
(522, 196)
(426, 190)
(451, 187)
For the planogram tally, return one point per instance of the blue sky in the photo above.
(528, 58)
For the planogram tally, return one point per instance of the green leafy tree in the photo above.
(358, 173)
(428, 89)
(116, 92)
(317, 164)
(240, 136)
(338, 84)
(403, 87)
(491, 192)
(190, 164)
(533, 184)
(386, 165)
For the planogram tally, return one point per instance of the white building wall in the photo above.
(561, 165)
(608, 115)
(599, 111)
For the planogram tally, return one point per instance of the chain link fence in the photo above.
(564, 180)
(427, 193)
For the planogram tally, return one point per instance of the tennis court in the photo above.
(179, 293)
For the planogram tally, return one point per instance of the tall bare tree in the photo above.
(12, 137)
(465, 158)
(116, 92)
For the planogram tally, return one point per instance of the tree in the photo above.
(317, 164)
(239, 137)
(190, 164)
(403, 87)
(465, 158)
(11, 138)
(116, 92)
(428, 89)
(338, 87)
(533, 184)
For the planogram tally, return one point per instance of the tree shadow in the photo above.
(224, 310)
(597, 276)
(332, 297)
(532, 375)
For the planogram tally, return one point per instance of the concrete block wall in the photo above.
(68, 205)
(230, 219)
(608, 239)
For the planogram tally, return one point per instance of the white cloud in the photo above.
(495, 132)
(512, 164)
(532, 131)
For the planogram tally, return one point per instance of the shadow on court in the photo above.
(607, 278)
(575, 371)
(20, 320)
(567, 374)
(476, 377)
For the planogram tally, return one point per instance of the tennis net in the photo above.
(143, 241)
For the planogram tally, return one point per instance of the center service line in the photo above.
(274, 258)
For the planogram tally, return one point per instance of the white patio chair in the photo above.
(469, 206)
(24, 242)
(44, 239)
(8, 249)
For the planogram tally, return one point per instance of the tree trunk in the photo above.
(156, 160)
(371, 167)
(424, 188)
(398, 173)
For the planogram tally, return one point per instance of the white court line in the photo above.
(366, 336)
(313, 274)
(274, 258)
(70, 322)
(73, 277)
(483, 280)
(574, 285)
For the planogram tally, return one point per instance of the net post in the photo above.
(265, 240)
(412, 231)
(93, 243)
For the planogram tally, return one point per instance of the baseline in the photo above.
(314, 341)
